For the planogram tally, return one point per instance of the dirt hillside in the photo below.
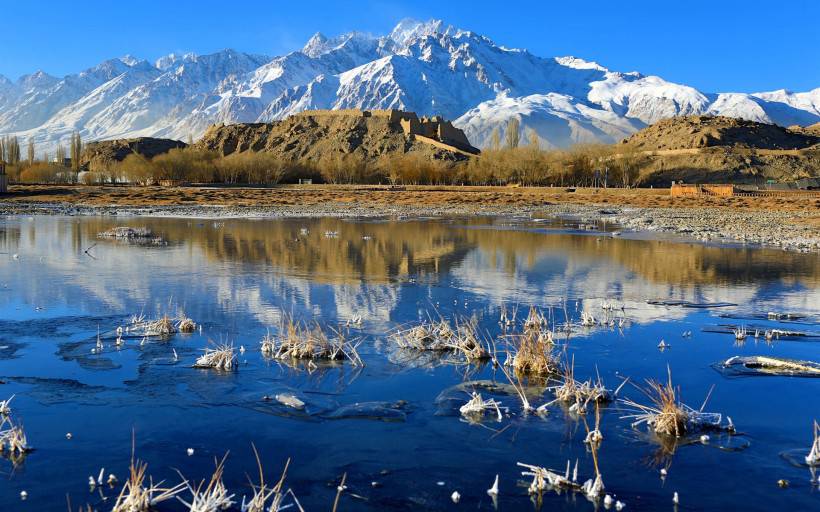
(707, 149)
(314, 137)
(695, 132)
(99, 155)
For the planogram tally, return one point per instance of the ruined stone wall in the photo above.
(334, 113)
(450, 134)
(431, 128)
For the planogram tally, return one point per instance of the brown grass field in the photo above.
(301, 195)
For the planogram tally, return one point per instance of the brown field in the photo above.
(293, 195)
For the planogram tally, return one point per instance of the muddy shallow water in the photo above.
(393, 426)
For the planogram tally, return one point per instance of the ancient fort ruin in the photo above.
(433, 130)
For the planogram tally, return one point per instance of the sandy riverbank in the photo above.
(789, 222)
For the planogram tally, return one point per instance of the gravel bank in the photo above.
(785, 230)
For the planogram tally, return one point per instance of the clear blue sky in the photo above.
(716, 46)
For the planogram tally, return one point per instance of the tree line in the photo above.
(510, 162)
(44, 169)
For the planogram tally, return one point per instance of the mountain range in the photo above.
(426, 67)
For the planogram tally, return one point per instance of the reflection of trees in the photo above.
(654, 260)
(330, 250)
(360, 255)
(382, 251)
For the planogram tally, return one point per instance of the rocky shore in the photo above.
(788, 230)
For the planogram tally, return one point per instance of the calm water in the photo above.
(237, 278)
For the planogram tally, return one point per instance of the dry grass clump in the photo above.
(136, 497)
(580, 394)
(163, 327)
(544, 479)
(534, 352)
(262, 494)
(140, 236)
(668, 416)
(300, 341)
(12, 438)
(222, 357)
(268, 345)
(126, 232)
(462, 339)
(186, 325)
(212, 497)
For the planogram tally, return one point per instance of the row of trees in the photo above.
(41, 170)
(500, 164)
(582, 165)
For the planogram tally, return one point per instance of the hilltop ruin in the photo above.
(317, 134)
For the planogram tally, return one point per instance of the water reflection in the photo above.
(59, 283)
(341, 269)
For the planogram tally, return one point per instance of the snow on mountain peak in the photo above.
(316, 45)
(129, 60)
(408, 30)
(425, 66)
(576, 63)
(172, 59)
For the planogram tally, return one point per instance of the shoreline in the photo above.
(706, 225)
(785, 224)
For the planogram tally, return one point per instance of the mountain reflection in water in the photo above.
(60, 284)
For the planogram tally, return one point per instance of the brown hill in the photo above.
(697, 132)
(315, 135)
(99, 155)
(707, 149)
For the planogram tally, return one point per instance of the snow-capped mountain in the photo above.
(427, 67)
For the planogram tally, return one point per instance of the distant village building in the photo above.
(65, 162)
(4, 184)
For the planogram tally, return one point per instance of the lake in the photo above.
(393, 426)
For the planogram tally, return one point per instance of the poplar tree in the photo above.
(60, 157)
(511, 134)
(495, 140)
(533, 137)
(76, 150)
(10, 150)
(30, 151)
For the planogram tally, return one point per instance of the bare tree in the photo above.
(495, 140)
(512, 133)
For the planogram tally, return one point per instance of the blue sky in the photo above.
(716, 46)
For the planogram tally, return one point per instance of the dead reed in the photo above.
(212, 497)
(813, 458)
(475, 408)
(301, 341)
(262, 494)
(462, 339)
(12, 438)
(667, 415)
(533, 351)
(5, 406)
(222, 357)
(135, 496)
(579, 394)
